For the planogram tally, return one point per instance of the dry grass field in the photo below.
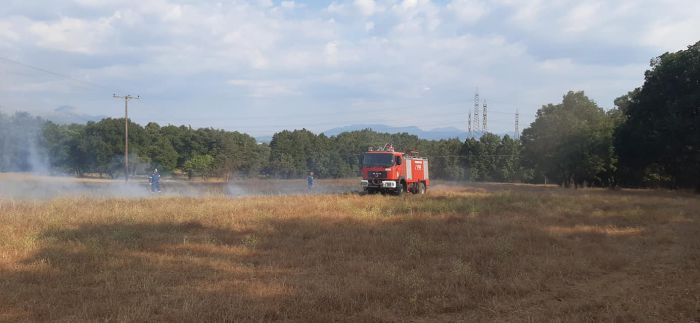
(459, 253)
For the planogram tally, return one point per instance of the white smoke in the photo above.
(20, 148)
(26, 173)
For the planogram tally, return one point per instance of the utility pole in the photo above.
(126, 132)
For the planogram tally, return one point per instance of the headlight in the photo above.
(364, 183)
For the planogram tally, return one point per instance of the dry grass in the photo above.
(28, 186)
(480, 253)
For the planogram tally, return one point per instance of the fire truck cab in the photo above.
(387, 171)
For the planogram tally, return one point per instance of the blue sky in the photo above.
(263, 66)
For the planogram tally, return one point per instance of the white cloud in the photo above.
(7, 34)
(582, 17)
(673, 35)
(289, 5)
(526, 12)
(265, 88)
(366, 7)
(335, 8)
(409, 4)
(71, 35)
(562, 65)
(331, 51)
(350, 54)
(468, 11)
(417, 16)
(174, 13)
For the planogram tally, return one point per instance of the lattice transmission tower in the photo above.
(469, 125)
(476, 127)
(485, 127)
(517, 126)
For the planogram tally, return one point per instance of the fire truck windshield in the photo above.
(383, 160)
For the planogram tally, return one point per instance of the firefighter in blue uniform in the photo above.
(310, 180)
(154, 179)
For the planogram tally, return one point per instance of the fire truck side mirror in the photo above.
(398, 160)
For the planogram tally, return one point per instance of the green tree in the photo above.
(493, 158)
(62, 143)
(571, 143)
(105, 139)
(659, 140)
(201, 165)
(509, 167)
(445, 159)
(293, 153)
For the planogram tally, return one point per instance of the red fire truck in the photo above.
(387, 171)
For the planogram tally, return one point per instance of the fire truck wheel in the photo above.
(421, 188)
(400, 189)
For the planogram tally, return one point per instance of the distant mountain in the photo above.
(263, 139)
(433, 134)
(67, 114)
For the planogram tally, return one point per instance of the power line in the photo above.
(90, 83)
(474, 123)
(499, 112)
(43, 70)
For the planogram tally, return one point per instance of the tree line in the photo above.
(32, 144)
(651, 138)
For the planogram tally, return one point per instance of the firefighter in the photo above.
(310, 180)
(154, 179)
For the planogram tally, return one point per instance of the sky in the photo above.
(262, 66)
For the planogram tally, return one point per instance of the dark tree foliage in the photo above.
(652, 138)
(446, 161)
(571, 143)
(295, 153)
(494, 159)
(98, 147)
(659, 141)
(32, 144)
(63, 147)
